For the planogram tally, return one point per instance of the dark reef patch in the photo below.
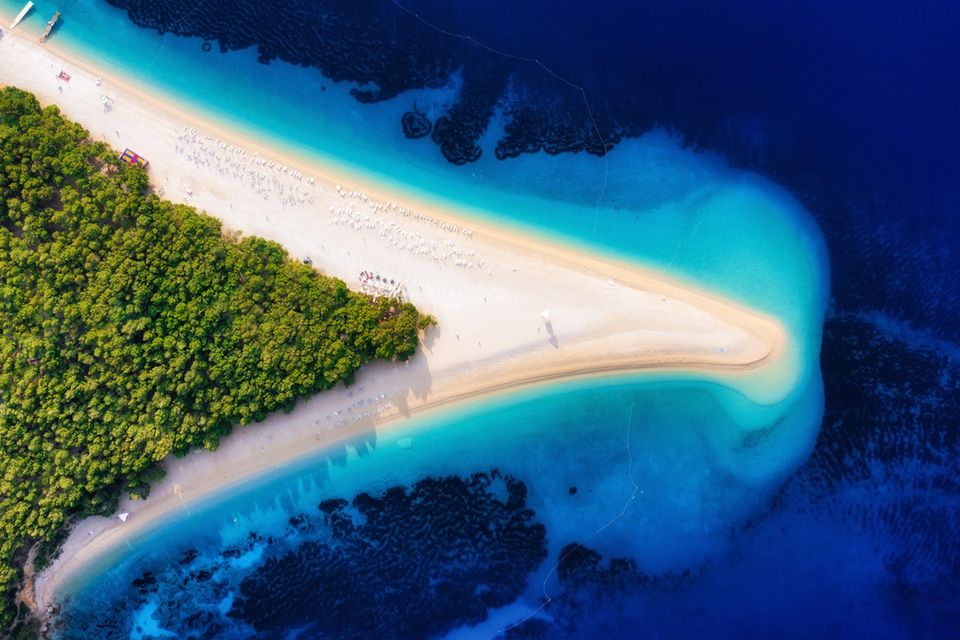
(888, 400)
(385, 51)
(871, 519)
(865, 145)
(457, 131)
(413, 569)
(887, 461)
(539, 115)
(408, 563)
(849, 106)
(589, 584)
(415, 125)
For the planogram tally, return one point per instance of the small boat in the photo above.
(49, 27)
(21, 15)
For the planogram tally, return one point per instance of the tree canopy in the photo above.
(132, 328)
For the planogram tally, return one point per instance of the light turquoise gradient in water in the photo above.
(657, 478)
(702, 456)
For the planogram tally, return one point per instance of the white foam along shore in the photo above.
(487, 287)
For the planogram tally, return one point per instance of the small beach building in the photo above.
(130, 157)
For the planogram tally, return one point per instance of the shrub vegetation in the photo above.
(132, 328)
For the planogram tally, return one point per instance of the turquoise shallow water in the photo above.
(665, 467)
(660, 472)
(687, 213)
(667, 442)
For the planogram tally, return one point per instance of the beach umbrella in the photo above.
(546, 315)
(123, 516)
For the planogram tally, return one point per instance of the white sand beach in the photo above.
(487, 288)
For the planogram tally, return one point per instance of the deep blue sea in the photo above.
(735, 145)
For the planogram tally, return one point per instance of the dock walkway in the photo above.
(21, 15)
(52, 23)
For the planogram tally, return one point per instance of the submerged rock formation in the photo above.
(384, 51)
(411, 562)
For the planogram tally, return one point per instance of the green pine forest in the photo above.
(132, 328)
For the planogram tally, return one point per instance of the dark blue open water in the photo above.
(850, 106)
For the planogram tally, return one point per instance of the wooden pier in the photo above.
(21, 15)
(49, 27)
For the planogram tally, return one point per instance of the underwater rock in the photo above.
(410, 562)
(385, 51)
(415, 125)
(889, 437)
(446, 549)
